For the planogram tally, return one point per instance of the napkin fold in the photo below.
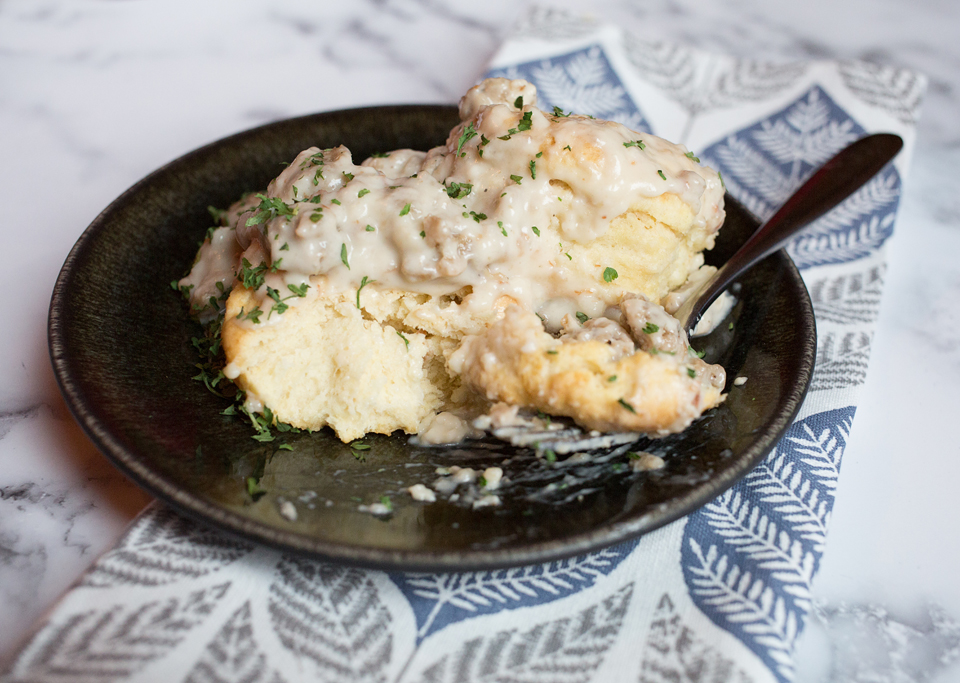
(720, 595)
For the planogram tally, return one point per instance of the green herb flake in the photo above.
(423, 234)
(347, 177)
(730, 327)
(380, 155)
(691, 155)
(343, 256)
(502, 229)
(363, 192)
(517, 179)
(405, 210)
(635, 143)
(626, 405)
(458, 190)
(370, 228)
(385, 502)
(478, 216)
(691, 373)
(468, 133)
(405, 340)
(612, 378)
(268, 209)
(558, 112)
(549, 455)
(660, 173)
(363, 283)
(650, 328)
(551, 352)
(567, 147)
(722, 184)
(582, 317)
(694, 352)
(610, 274)
(285, 247)
(299, 290)
(536, 230)
(518, 103)
(533, 169)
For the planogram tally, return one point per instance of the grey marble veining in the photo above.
(96, 94)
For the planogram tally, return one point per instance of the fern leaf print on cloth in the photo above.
(582, 82)
(749, 557)
(764, 163)
(439, 600)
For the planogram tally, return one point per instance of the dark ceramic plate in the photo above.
(120, 345)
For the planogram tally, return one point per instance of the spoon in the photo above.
(833, 182)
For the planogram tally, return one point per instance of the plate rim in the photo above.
(208, 513)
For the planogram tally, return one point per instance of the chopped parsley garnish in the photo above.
(582, 317)
(370, 228)
(299, 290)
(363, 283)
(252, 277)
(536, 231)
(279, 306)
(557, 111)
(405, 340)
(730, 327)
(423, 234)
(316, 216)
(335, 201)
(691, 155)
(635, 143)
(405, 210)
(610, 274)
(270, 208)
(526, 122)
(458, 190)
(380, 155)
(722, 184)
(518, 103)
(285, 447)
(612, 378)
(533, 169)
(254, 315)
(549, 455)
(691, 372)
(385, 502)
(660, 173)
(650, 328)
(502, 229)
(343, 255)
(363, 192)
(347, 177)
(516, 178)
(468, 133)
(285, 247)
(567, 147)
(552, 352)
(694, 352)
(478, 216)
(627, 406)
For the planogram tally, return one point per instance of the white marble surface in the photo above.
(95, 94)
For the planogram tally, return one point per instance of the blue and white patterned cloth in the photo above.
(721, 595)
